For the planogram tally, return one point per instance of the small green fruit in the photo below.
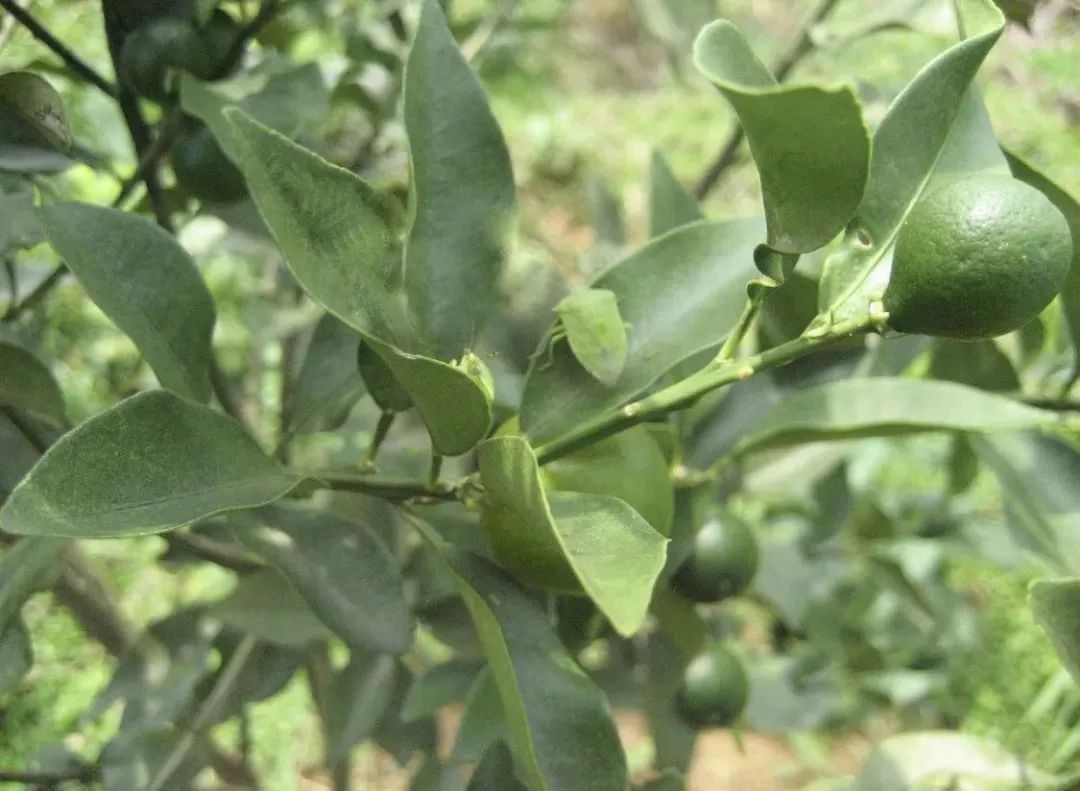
(722, 562)
(219, 35)
(204, 170)
(714, 689)
(155, 51)
(979, 257)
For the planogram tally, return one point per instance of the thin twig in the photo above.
(729, 152)
(71, 60)
(86, 775)
(167, 132)
(12, 278)
(265, 13)
(212, 551)
(392, 489)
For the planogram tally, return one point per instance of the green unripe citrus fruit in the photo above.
(979, 257)
(722, 561)
(714, 689)
(203, 170)
(155, 51)
(219, 35)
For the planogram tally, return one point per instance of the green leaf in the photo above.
(343, 570)
(142, 279)
(440, 686)
(809, 142)
(463, 191)
(595, 331)
(605, 214)
(181, 462)
(568, 540)
(560, 727)
(266, 606)
(1056, 606)
(670, 205)
(629, 465)
(16, 654)
(359, 696)
(36, 103)
(679, 295)
(483, 722)
(353, 273)
(1040, 482)
(27, 384)
(383, 387)
(17, 456)
(669, 780)
(286, 101)
(907, 147)
(978, 364)
(496, 771)
(20, 226)
(884, 406)
(940, 759)
(328, 383)
(674, 740)
(1067, 205)
(27, 567)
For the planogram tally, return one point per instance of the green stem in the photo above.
(382, 429)
(433, 472)
(735, 337)
(683, 394)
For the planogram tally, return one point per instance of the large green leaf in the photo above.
(333, 228)
(907, 147)
(328, 383)
(27, 384)
(679, 295)
(1056, 605)
(360, 695)
(568, 540)
(179, 462)
(33, 125)
(146, 283)
(20, 226)
(560, 726)
(343, 570)
(809, 142)
(884, 406)
(17, 456)
(670, 205)
(463, 191)
(1067, 205)
(265, 605)
(1040, 482)
(440, 686)
(27, 567)
(979, 363)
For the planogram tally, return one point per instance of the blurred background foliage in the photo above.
(585, 90)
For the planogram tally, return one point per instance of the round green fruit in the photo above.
(979, 257)
(714, 689)
(722, 561)
(203, 170)
(219, 35)
(153, 52)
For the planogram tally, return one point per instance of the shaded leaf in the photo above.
(16, 654)
(811, 181)
(25, 568)
(264, 605)
(27, 384)
(181, 462)
(559, 724)
(463, 191)
(328, 383)
(1056, 606)
(568, 540)
(884, 406)
(20, 226)
(977, 363)
(670, 205)
(441, 685)
(359, 696)
(145, 282)
(482, 723)
(778, 704)
(343, 570)
(907, 146)
(605, 214)
(1040, 482)
(679, 295)
(496, 771)
(674, 740)
(34, 134)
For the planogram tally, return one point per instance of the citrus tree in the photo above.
(559, 511)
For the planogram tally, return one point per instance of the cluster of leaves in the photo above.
(508, 541)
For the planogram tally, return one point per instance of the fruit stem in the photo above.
(433, 472)
(681, 395)
(382, 428)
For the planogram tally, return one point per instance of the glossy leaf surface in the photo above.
(679, 295)
(180, 462)
(811, 181)
(463, 186)
(595, 331)
(146, 283)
